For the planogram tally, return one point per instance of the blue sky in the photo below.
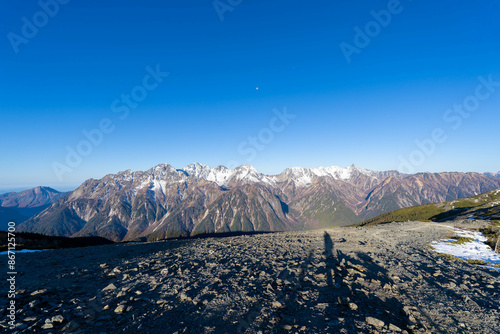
(370, 111)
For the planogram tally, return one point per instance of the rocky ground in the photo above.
(381, 279)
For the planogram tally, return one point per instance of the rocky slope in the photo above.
(166, 202)
(383, 279)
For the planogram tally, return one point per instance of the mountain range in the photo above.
(165, 202)
(19, 206)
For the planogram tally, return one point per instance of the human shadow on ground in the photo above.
(343, 302)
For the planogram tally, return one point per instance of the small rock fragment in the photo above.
(109, 287)
(58, 318)
(39, 292)
(375, 322)
(120, 309)
(394, 328)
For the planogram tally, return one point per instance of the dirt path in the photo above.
(342, 280)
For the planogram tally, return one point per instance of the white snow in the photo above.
(220, 175)
(159, 185)
(158, 177)
(143, 184)
(303, 180)
(22, 251)
(475, 250)
(334, 171)
(304, 176)
(223, 175)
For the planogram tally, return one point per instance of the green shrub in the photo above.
(461, 240)
(449, 256)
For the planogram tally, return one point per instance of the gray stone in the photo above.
(109, 287)
(38, 292)
(48, 326)
(277, 304)
(353, 306)
(394, 328)
(375, 322)
(120, 309)
(184, 297)
(58, 318)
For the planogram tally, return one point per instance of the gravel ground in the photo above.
(383, 279)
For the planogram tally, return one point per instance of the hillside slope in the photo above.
(485, 206)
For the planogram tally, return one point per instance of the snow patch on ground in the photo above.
(475, 250)
(22, 251)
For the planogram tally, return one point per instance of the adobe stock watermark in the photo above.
(223, 6)
(121, 107)
(250, 147)
(373, 28)
(454, 117)
(30, 27)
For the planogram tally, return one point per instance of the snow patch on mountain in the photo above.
(492, 174)
(159, 186)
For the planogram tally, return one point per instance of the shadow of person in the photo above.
(348, 296)
(328, 245)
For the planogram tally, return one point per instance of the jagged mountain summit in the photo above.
(494, 174)
(165, 202)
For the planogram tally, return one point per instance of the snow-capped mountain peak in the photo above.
(304, 176)
(197, 169)
(225, 177)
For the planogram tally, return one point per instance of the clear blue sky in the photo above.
(369, 112)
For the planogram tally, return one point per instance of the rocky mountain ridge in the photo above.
(30, 198)
(165, 202)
